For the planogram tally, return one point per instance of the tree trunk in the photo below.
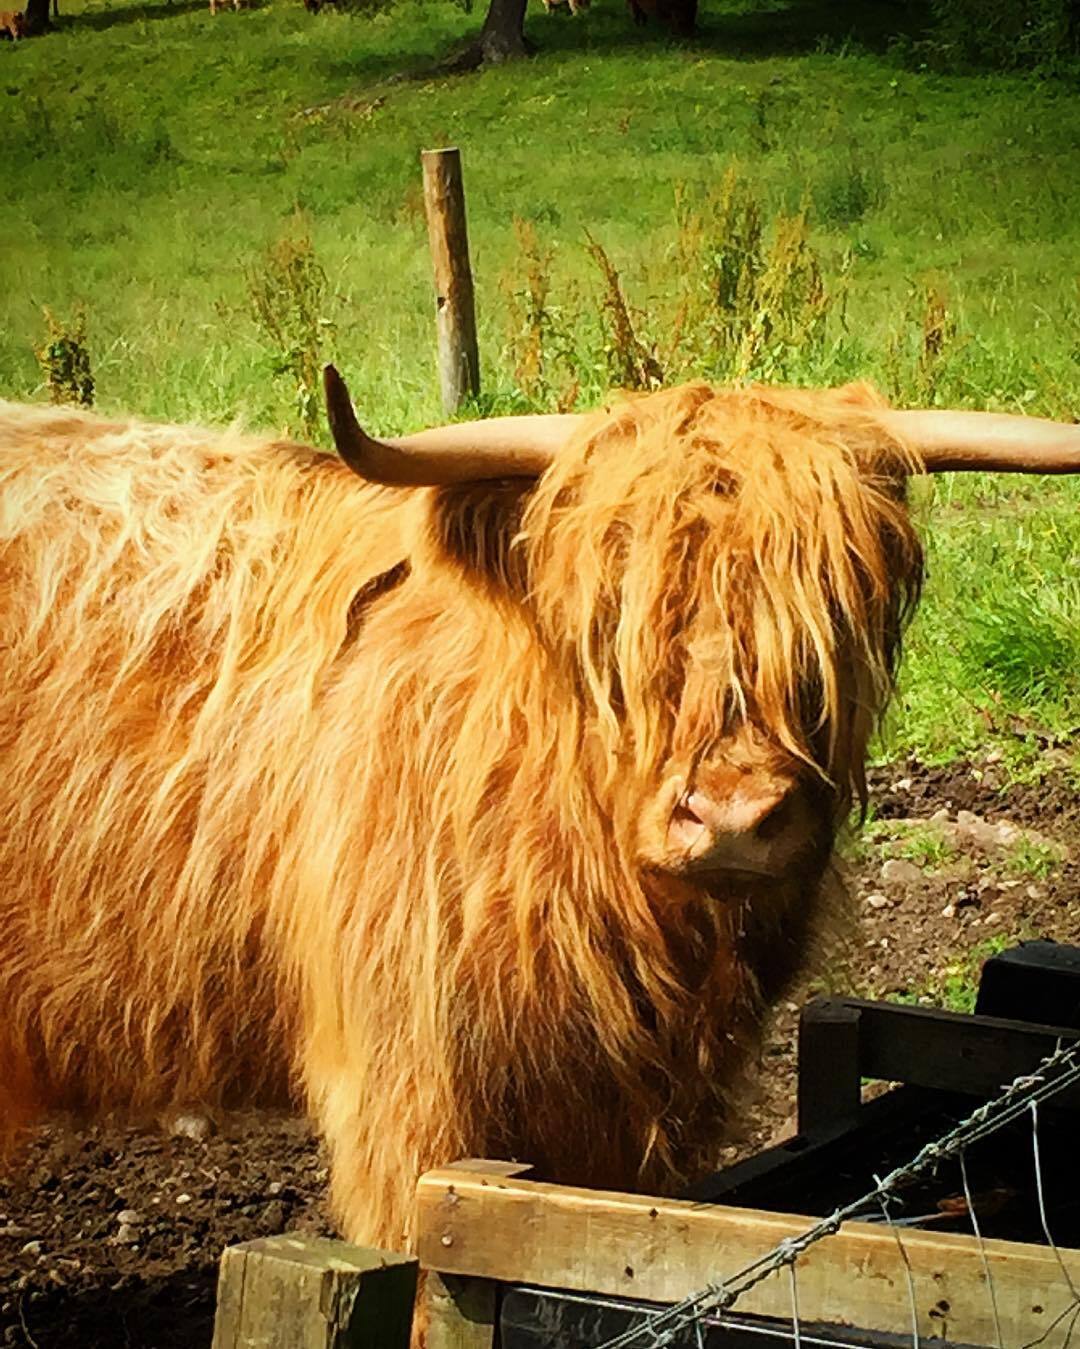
(503, 35)
(36, 17)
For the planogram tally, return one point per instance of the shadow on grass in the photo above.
(102, 19)
(789, 28)
(782, 28)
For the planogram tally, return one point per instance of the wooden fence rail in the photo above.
(479, 1229)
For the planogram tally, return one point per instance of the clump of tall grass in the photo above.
(848, 192)
(631, 359)
(754, 302)
(65, 359)
(1000, 35)
(1023, 647)
(744, 297)
(919, 353)
(539, 346)
(289, 298)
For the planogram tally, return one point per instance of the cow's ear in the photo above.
(473, 528)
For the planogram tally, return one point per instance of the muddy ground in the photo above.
(111, 1237)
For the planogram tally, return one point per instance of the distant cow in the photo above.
(575, 6)
(476, 789)
(12, 25)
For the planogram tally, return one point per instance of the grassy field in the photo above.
(157, 165)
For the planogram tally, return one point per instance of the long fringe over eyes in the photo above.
(757, 537)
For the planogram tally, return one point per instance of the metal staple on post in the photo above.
(455, 311)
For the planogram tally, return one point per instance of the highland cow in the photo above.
(483, 807)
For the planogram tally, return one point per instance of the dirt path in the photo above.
(109, 1238)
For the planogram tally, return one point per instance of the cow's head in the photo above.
(722, 577)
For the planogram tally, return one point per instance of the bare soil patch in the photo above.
(111, 1236)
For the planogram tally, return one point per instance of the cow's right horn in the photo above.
(1002, 442)
(498, 447)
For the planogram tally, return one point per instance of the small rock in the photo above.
(992, 918)
(877, 901)
(1033, 892)
(274, 1217)
(129, 1217)
(127, 1234)
(188, 1125)
(949, 911)
(31, 1248)
(276, 1187)
(897, 871)
(940, 816)
(183, 1199)
(902, 785)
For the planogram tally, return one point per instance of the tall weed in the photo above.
(289, 302)
(65, 360)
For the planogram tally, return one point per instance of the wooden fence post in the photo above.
(293, 1292)
(462, 1313)
(455, 312)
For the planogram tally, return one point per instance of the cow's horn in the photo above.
(989, 441)
(498, 447)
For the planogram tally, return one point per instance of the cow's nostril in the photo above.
(684, 813)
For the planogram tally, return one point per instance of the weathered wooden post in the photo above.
(455, 312)
(293, 1292)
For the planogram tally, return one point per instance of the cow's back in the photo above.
(172, 605)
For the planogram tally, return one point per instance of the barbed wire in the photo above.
(1024, 1094)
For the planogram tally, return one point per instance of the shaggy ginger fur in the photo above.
(316, 787)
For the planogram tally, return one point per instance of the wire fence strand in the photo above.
(1054, 1074)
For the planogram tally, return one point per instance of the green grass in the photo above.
(926, 846)
(1029, 857)
(152, 155)
(955, 986)
(923, 843)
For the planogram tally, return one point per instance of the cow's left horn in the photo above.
(499, 447)
(989, 441)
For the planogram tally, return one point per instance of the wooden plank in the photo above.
(462, 1313)
(769, 1179)
(660, 1250)
(293, 1292)
(1035, 981)
(455, 310)
(951, 1051)
(829, 1082)
(459, 1313)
